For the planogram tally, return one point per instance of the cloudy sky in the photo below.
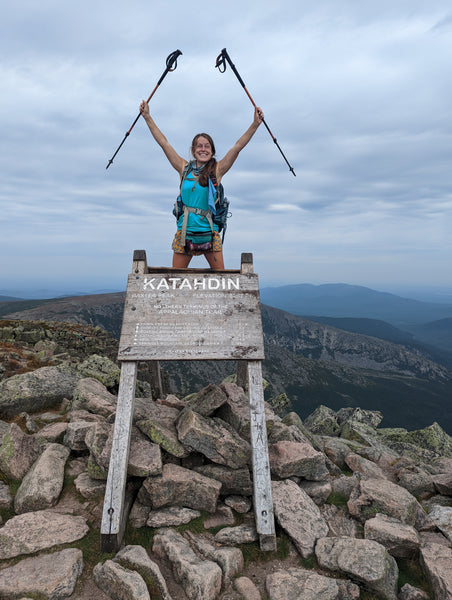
(358, 95)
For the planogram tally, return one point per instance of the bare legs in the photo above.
(215, 260)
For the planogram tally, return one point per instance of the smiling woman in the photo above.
(197, 234)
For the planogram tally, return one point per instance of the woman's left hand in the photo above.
(258, 115)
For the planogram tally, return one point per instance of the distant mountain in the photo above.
(342, 300)
(9, 299)
(313, 363)
(437, 333)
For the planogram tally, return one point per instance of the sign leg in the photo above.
(262, 491)
(113, 521)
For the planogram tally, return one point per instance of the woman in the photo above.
(195, 188)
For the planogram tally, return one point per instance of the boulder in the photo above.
(442, 517)
(51, 576)
(289, 459)
(213, 438)
(207, 401)
(367, 468)
(234, 481)
(298, 515)
(91, 395)
(177, 486)
(436, 561)
(18, 451)
(120, 583)
(364, 561)
(295, 583)
(101, 368)
(200, 579)
(380, 496)
(136, 558)
(34, 531)
(400, 540)
(42, 485)
(37, 390)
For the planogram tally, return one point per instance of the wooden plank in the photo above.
(113, 522)
(262, 491)
(192, 316)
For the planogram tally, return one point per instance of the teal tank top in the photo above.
(197, 196)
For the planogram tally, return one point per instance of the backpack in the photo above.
(221, 206)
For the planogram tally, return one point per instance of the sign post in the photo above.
(189, 314)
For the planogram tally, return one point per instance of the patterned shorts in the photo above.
(177, 247)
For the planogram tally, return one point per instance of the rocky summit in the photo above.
(361, 511)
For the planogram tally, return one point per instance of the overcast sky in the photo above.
(357, 93)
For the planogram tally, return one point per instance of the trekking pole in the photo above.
(170, 61)
(222, 58)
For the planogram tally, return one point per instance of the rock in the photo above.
(172, 516)
(416, 481)
(298, 515)
(200, 579)
(336, 449)
(51, 576)
(177, 486)
(443, 483)
(233, 536)
(213, 438)
(442, 517)
(288, 459)
(293, 583)
(223, 516)
(229, 559)
(240, 504)
(136, 558)
(408, 592)
(365, 561)
(100, 368)
(234, 481)
(89, 488)
(432, 438)
(76, 433)
(319, 491)
(6, 500)
(247, 589)
(208, 400)
(120, 583)
(145, 458)
(399, 539)
(53, 433)
(36, 390)
(42, 485)
(18, 451)
(236, 411)
(323, 421)
(164, 434)
(367, 468)
(436, 561)
(96, 440)
(380, 496)
(40, 530)
(339, 521)
(91, 395)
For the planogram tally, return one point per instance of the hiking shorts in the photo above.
(177, 247)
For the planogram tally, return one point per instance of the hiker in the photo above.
(200, 233)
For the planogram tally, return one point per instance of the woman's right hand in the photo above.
(144, 109)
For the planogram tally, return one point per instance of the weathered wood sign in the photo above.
(189, 315)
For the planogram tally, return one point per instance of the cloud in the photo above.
(357, 96)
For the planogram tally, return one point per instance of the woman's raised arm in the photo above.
(230, 157)
(175, 160)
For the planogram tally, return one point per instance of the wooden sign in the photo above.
(182, 315)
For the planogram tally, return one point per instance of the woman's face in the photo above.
(202, 151)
